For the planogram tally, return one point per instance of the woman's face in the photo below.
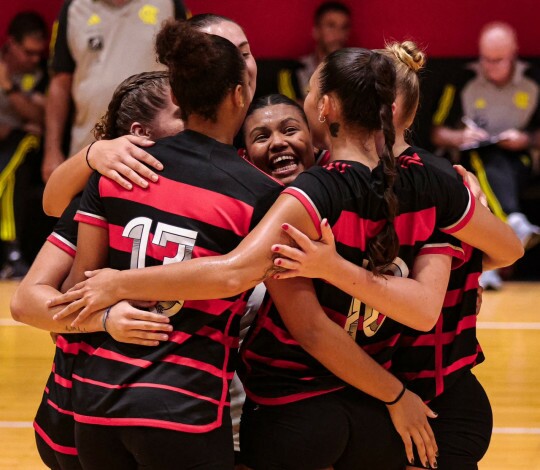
(312, 107)
(166, 122)
(278, 141)
(234, 33)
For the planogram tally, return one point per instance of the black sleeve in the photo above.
(61, 58)
(180, 12)
(91, 209)
(453, 200)
(66, 227)
(319, 190)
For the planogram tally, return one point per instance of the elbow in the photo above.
(17, 309)
(49, 207)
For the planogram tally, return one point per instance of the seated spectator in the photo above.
(22, 103)
(331, 29)
(493, 118)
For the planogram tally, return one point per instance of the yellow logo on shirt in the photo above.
(480, 103)
(28, 82)
(521, 99)
(93, 20)
(149, 14)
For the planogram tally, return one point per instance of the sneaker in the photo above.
(490, 280)
(528, 233)
(14, 269)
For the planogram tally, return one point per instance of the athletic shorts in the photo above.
(130, 447)
(345, 430)
(464, 425)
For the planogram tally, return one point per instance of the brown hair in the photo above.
(138, 98)
(408, 60)
(365, 84)
(203, 68)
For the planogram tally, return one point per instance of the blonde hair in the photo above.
(408, 60)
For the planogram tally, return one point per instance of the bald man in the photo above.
(493, 117)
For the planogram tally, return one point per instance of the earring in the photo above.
(323, 118)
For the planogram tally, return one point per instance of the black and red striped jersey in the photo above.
(54, 419)
(275, 368)
(430, 362)
(206, 201)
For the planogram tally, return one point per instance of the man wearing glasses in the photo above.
(493, 118)
(22, 107)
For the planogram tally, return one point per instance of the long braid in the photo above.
(384, 247)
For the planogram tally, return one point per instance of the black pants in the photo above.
(464, 425)
(346, 430)
(502, 175)
(135, 447)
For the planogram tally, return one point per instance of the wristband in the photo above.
(393, 402)
(87, 153)
(105, 317)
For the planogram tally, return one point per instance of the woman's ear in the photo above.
(139, 130)
(239, 96)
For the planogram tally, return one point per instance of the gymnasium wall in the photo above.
(282, 28)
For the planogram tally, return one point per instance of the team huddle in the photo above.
(357, 353)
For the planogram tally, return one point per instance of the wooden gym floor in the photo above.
(509, 331)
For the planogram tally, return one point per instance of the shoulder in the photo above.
(431, 160)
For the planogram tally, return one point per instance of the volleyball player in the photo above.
(140, 104)
(432, 362)
(154, 402)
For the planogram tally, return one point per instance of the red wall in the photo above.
(282, 28)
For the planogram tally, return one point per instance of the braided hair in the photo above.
(365, 83)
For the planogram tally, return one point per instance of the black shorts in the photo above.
(464, 425)
(56, 460)
(129, 447)
(345, 430)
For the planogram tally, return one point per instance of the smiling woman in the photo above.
(277, 137)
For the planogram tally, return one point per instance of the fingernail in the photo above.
(326, 223)
(278, 262)
(48, 303)
(285, 226)
(164, 337)
(154, 178)
(145, 184)
(436, 414)
(411, 461)
(435, 465)
(129, 186)
(276, 276)
(55, 317)
(159, 166)
(437, 454)
(426, 464)
(275, 248)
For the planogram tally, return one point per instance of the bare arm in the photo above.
(125, 323)
(118, 159)
(414, 301)
(28, 304)
(442, 136)
(203, 278)
(496, 239)
(56, 115)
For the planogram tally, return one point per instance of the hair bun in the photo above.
(409, 53)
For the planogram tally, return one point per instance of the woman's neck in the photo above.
(220, 131)
(355, 147)
(400, 145)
